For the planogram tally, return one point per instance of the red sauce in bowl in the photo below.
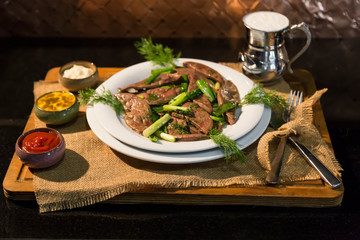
(39, 142)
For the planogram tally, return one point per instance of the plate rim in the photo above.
(168, 158)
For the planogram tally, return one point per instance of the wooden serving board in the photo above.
(18, 183)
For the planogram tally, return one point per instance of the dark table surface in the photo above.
(334, 64)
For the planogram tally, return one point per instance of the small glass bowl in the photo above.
(76, 84)
(43, 159)
(57, 117)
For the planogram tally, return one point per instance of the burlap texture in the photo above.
(91, 172)
(301, 125)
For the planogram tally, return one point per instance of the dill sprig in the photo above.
(90, 96)
(268, 98)
(229, 147)
(182, 129)
(156, 53)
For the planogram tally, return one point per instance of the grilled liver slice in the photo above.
(158, 96)
(137, 111)
(206, 70)
(161, 80)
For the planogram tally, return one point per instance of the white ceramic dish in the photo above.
(173, 158)
(117, 127)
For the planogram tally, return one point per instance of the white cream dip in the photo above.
(266, 21)
(78, 72)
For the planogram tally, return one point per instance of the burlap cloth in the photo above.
(92, 172)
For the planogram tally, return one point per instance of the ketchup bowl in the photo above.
(40, 147)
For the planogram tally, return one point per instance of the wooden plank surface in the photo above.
(18, 184)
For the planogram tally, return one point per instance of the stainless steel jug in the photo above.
(265, 60)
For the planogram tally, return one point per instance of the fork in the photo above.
(295, 98)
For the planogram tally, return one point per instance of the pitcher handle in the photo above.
(304, 27)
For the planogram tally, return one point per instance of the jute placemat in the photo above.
(91, 172)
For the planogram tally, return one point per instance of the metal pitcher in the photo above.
(266, 59)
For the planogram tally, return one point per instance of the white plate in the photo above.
(117, 127)
(173, 158)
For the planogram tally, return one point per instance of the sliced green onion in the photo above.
(152, 138)
(179, 99)
(184, 86)
(195, 93)
(156, 72)
(218, 119)
(217, 86)
(156, 125)
(158, 109)
(185, 77)
(206, 89)
(165, 136)
(171, 108)
(223, 108)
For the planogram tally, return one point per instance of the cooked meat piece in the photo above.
(191, 137)
(193, 129)
(137, 111)
(162, 79)
(208, 71)
(177, 126)
(158, 96)
(231, 116)
(192, 75)
(229, 93)
(177, 115)
(204, 103)
(202, 119)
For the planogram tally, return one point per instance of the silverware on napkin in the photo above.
(273, 175)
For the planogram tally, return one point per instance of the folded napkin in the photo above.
(91, 172)
(301, 125)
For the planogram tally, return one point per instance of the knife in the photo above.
(273, 175)
(324, 172)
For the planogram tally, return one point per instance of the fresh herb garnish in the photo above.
(153, 97)
(268, 98)
(90, 96)
(156, 53)
(229, 147)
(182, 129)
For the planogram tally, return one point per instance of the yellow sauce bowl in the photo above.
(56, 108)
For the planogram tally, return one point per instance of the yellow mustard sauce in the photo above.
(56, 101)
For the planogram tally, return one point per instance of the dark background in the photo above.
(334, 64)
